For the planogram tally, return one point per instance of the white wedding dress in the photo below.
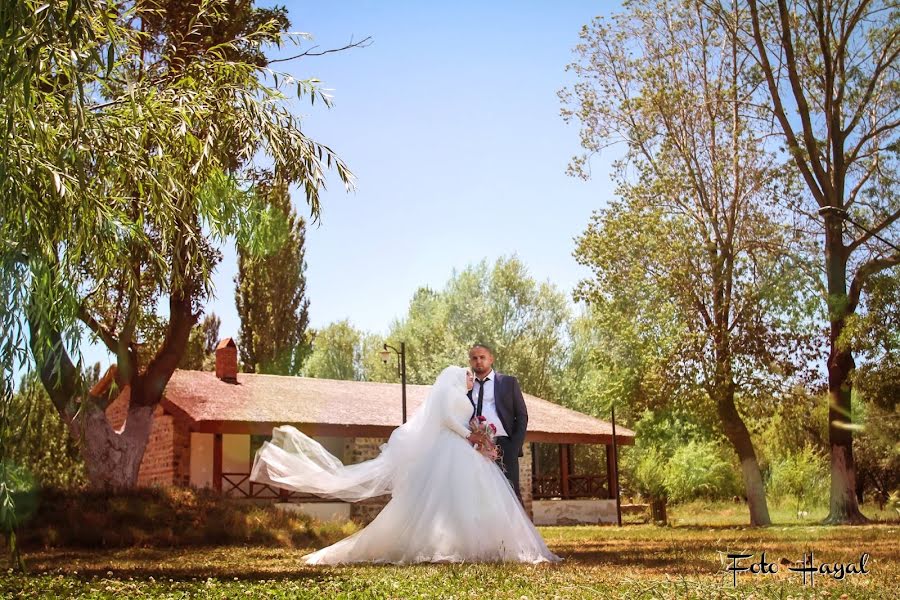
(448, 502)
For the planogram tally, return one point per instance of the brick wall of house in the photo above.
(357, 450)
(158, 466)
(525, 479)
(182, 453)
(118, 410)
(167, 456)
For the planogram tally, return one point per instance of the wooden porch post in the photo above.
(610, 472)
(615, 462)
(217, 462)
(564, 469)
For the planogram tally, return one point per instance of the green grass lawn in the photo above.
(636, 561)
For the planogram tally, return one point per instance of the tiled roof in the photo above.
(328, 407)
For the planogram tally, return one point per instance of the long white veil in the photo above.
(296, 462)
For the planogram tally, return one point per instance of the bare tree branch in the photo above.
(363, 43)
(779, 110)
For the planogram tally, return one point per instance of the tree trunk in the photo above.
(843, 505)
(113, 459)
(860, 487)
(737, 433)
(658, 511)
(723, 392)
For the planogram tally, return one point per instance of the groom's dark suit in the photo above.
(513, 415)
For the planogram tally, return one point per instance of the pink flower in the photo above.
(482, 418)
(493, 428)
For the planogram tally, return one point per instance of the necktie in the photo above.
(480, 397)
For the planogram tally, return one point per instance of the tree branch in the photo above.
(105, 335)
(779, 110)
(803, 110)
(883, 63)
(851, 197)
(874, 231)
(364, 43)
(160, 368)
(866, 270)
(57, 373)
(871, 135)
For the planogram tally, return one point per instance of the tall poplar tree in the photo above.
(271, 292)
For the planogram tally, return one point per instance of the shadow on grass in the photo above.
(640, 552)
(261, 563)
(196, 563)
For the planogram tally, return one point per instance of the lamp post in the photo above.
(401, 368)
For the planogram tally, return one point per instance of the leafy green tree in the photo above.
(830, 75)
(694, 255)
(337, 353)
(35, 450)
(124, 171)
(271, 293)
(648, 471)
(49, 52)
(875, 333)
(613, 361)
(522, 320)
(199, 354)
(798, 420)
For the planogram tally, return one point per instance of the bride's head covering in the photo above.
(428, 419)
(450, 381)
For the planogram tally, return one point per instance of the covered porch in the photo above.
(574, 483)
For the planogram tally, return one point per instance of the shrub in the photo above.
(801, 477)
(700, 470)
(40, 441)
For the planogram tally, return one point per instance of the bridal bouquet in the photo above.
(484, 433)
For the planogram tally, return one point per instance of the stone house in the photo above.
(209, 424)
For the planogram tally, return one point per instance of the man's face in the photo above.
(481, 361)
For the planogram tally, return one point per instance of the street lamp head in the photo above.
(385, 355)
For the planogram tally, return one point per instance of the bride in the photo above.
(448, 502)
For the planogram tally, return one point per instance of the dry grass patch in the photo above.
(600, 562)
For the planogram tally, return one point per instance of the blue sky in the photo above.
(450, 122)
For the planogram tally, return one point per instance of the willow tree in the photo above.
(119, 184)
(831, 87)
(692, 253)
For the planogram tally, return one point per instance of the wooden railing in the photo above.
(579, 486)
(238, 485)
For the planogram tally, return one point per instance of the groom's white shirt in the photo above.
(488, 406)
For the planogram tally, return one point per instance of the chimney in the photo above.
(226, 360)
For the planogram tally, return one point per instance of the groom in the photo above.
(499, 399)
